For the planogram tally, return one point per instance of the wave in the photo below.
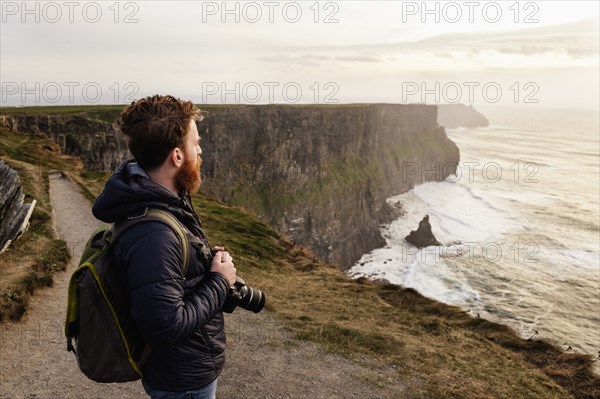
(522, 197)
(462, 214)
(420, 269)
(524, 162)
(587, 259)
(458, 215)
(583, 153)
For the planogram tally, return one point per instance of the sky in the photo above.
(485, 53)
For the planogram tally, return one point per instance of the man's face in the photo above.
(188, 176)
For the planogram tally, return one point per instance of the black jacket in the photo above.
(180, 318)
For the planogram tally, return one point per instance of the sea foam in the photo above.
(458, 217)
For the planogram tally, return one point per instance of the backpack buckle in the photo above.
(144, 213)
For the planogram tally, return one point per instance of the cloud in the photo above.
(318, 60)
(577, 40)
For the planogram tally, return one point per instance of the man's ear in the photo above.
(176, 157)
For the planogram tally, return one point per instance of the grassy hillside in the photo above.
(441, 350)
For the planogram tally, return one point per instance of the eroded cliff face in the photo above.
(320, 174)
(99, 145)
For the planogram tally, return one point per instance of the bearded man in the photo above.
(179, 316)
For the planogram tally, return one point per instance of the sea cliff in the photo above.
(320, 174)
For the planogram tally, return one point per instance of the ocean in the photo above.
(520, 224)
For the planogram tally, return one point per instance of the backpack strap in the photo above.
(158, 215)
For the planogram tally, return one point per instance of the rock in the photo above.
(14, 214)
(422, 237)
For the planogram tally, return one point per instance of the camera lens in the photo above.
(252, 299)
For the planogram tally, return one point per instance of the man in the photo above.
(179, 316)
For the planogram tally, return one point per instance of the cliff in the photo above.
(453, 116)
(14, 214)
(99, 145)
(320, 174)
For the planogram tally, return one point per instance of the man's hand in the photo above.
(223, 263)
(217, 248)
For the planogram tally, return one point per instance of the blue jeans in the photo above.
(207, 392)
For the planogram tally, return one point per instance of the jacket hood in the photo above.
(129, 190)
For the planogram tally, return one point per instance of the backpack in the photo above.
(108, 346)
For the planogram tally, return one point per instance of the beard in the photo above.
(188, 177)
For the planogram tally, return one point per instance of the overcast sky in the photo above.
(535, 53)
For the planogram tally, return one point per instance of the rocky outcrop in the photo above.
(320, 174)
(423, 236)
(453, 116)
(14, 214)
(99, 145)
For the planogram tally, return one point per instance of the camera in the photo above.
(245, 297)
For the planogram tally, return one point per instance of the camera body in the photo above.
(244, 296)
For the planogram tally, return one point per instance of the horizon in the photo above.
(487, 108)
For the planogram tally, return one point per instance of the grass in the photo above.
(438, 350)
(39, 272)
(37, 151)
(272, 200)
(352, 171)
(106, 113)
(90, 183)
(32, 260)
(110, 113)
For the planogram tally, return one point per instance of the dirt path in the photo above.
(263, 360)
